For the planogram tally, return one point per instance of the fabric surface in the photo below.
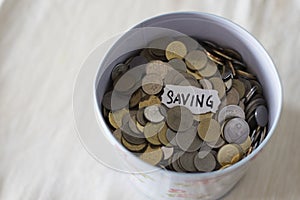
(42, 47)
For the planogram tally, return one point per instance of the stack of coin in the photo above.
(175, 138)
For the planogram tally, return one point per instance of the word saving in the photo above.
(197, 100)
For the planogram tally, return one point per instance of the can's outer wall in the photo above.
(162, 184)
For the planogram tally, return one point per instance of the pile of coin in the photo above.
(175, 138)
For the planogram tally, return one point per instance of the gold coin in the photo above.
(245, 74)
(227, 153)
(176, 49)
(196, 60)
(153, 128)
(236, 158)
(154, 140)
(239, 86)
(225, 166)
(232, 97)
(140, 127)
(115, 118)
(218, 85)
(152, 84)
(152, 100)
(118, 134)
(209, 130)
(158, 67)
(133, 147)
(231, 67)
(246, 145)
(214, 58)
(135, 98)
(201, 117)
(197, 76)
(162, 136)
(210, 69)
(152, 155)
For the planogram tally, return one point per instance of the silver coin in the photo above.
(236, 131)
(205, 161)
(206, 84)
(261, 115)
(152, 113)
(178, 64)
(189, 140)
(230, 111)
(167, 151)
(118, 70)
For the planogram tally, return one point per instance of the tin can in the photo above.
(157, 183)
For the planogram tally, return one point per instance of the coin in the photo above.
(168, 152)
(245, 74)
(229, 63)
(179, 118)
(227, 152)
(196, 74)
(188, 140)
(261, 115)
(152, 84)
(158, 67)
(132, 125)
(190, 43)
(209, 130)
(250, 94)
(225, 166)
(118, 70)
(206, 84)
(239, 86)
(176, 163)
(232, 97)
(130, 136)
(233, 54)
(216, 144)
(152, 155)
(162, 136)
(159, 45)
(205, 162)
(135, 98)
(152, 113)
(170, 135)
(140, 117)
(236, 131)
(201, 117)
(137, 61)
(228, 84)
(106, 101)
(169, 79)
(218, 85)
(246, 145)
(152, 129)
(214, 58)
(140, 127)
(176, 49)
(125, 83)
(133, 147)
(196, 60)
(118, 135)
(151, 100)
(230, 111)
(178, 64)
(210, 69)
(257, 85)
(115, 118)
(187, 161)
